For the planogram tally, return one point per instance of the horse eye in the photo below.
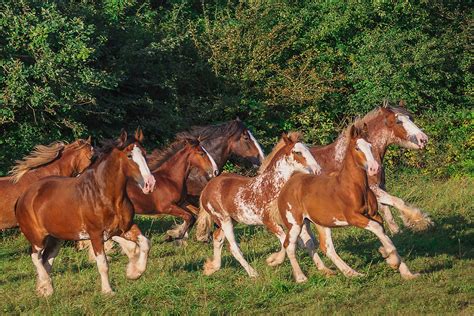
(298, 153)
(399, 122)
(201, 153)
(246, 137)
(357, 148)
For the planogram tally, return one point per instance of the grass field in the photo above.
(174, 283)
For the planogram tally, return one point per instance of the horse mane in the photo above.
(213, 131)
(293, 136)
(159, 157)
(107, 146)
(40, 156)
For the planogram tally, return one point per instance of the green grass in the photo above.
(174, 283)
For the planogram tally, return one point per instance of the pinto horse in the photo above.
(92, 206)
(56, 159)
(231, 197)
(171, 168)
(387, 125)
(334, 200)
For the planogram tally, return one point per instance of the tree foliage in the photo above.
(75, 68)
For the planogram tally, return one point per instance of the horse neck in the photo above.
(59, 167)
(276, 175)
(351, 173)
(176, 168)
(110, 178)
(380, 138)
(219, 149)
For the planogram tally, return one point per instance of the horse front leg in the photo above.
(102, 265)
(181, 230)
(137, 247)
(412, 217)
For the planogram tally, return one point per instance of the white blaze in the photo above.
(312, 164)
(215, 170)
(366, 148)
(260, 151)
(138, 158)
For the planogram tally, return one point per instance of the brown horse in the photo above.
(386, 125)
(334, 200)
(171, 168)
(92, 206)
(246, 199)
(57, 159)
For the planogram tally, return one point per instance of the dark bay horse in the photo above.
(342, 198)
(232, 197)
(92, 206)
(56, 159)
(221, 141)
(387, 125)
(171, 168)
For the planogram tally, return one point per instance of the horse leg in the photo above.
(389, 252)
(309, 243)
(228, 229)
(102, 265)
(51, 250)
(181, 230)
(290, 245)
(388, 217)
(214, 265)
(44, 286)
(327, 246)
(278, 257)
(412, 217)
(137, 258)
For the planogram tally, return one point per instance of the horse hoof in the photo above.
(108, 292)
(45, 290)
(301, 279)
(209, 268)
(253, 274)
(354, 274)
(410, 276)
(328, 272)
(133, 273)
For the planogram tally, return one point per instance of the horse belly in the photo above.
(246, 215)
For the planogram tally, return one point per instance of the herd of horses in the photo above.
(81, 193)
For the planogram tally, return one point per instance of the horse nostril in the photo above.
(216, 172)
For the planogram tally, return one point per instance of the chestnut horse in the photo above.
(246, 199)
(171, 168)
(92, 206)
(335, 200)
(56, 159)
(387, 125)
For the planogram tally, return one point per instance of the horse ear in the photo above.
(401, 103)
(139, 135)
(89, 140)
(237, 119)
(123, 137)
(365, 130)
(285, 138)
(385, 103)
(354, 132)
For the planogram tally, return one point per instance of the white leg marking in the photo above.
(310, 245)
(293, 234)
(228, 229)
(331, 253)
(103, 268)
(214, 264)
(43, 282)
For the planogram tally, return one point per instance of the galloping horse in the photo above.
(171, 168)
(57, 159)
(221, 141)
(386, 125)
(334, 200)
(246, 199)
(92, 206)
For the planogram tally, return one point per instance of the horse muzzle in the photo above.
(372, 168)
(149, 184)
(420, 140)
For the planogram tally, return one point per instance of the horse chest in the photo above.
(248, 212)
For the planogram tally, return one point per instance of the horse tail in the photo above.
(275, 212)
(203, 224)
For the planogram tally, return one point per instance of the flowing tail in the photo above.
(203, 225)
(415, 219)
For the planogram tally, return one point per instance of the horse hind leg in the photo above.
(51, 250)
(214, 264)
(309, 242)
(44, 285)
(180, 231)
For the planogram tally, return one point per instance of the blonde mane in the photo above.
(293, 136)
(40, 156)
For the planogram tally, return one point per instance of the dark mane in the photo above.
(158, 157)
(226, 129)
(107, 145)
